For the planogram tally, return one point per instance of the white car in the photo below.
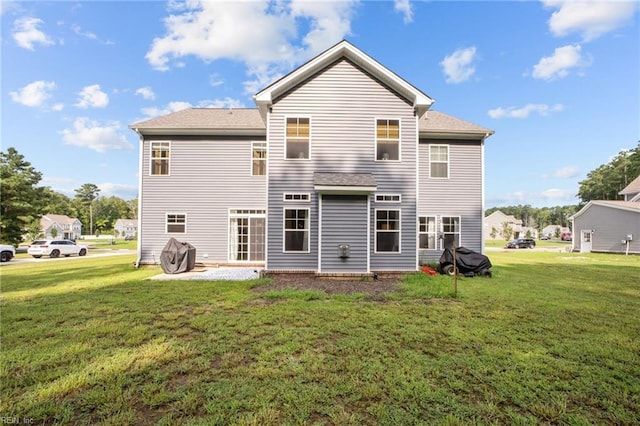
(55, 248)
(6, 252)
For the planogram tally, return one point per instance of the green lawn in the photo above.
(552, 338)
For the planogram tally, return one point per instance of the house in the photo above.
(494, 223)
(126, 227)
(555, 231)
(61, 225)
(341, 169)
(610, 226)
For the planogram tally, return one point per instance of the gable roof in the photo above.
(264, 98)
(61, 219)
(435, 124)
(204, 121)
(632, 188)
(614, 204)
(126, 222)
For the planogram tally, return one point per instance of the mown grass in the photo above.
(552, 338)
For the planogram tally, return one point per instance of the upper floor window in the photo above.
(439, 161)
(296, 197)
(297, 143)
(451, 231)
(388, 198)
(387, 139)
(387, 231)
(176, 223)
(160, 154)
(259, 158)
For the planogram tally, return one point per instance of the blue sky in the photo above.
(558, 81)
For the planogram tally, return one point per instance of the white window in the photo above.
(387, 139)
(258, 158)
(388, 198)
(297, 137)
(427, 233)
(176, 223)
(296, 230)
(387, 231)
(160, 154)
(247, 235)
(297, 197)
(451, 231)
(439, 161)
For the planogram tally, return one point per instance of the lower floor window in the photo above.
(451, 231)
(428, 233)
(176, 223)
(296, 230)
(247, 235)
(387, 231)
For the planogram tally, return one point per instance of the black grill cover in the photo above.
(177, 257)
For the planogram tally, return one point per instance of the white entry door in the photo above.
(585, 241)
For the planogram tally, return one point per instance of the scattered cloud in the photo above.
(76, 29)
(525, 111)
(566, 172)
(180, 105)
(548, 197)
(215, 80)
(126, 192)
(34, 94)
(557, 194)
(26, 33)
(560, 63)
(146, 93)
(92, 97)
(100, 137)
(264, 34)
(590, 19)
(404, 7)
(458, 67)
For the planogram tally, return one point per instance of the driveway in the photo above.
(90, 254)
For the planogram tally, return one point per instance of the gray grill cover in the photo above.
(177, 257)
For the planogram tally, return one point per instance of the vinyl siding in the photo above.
(342, 103)
(344, 221)
(459, 195)
(207, 178)
(611, 227)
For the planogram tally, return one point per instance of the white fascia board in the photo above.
(355, 190)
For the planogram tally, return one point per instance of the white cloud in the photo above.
(404, 7)
(557, 194)
(34, 94)
(264, 34)
(76, 29)
(215, 80)
(26, 33)
(591, 19)
(146, 93)
(566, 172)
(180, 105)
(126, 192)
(560, 63)
(458, 67)
(92, 97)
(525, 111)
(91, 134)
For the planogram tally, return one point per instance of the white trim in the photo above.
(293, 194)
(435, 223)
(482, 235)
(417, 189)
(368, 233)
(375, 138)
(286, 117)
(448, 161)
(307, 229)
(252, 214)
(399, 200)
(341, 190)
(266, 191)
(441, 228)
(253, 144)
(319, 233)
(166, 222)
(151, 158)
(375, 230)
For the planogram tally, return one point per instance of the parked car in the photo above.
(566, 236)
(7, 252)
(55, 248)
(521, 243)
(128, 238)
(545, 237)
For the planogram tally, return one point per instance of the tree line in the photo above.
(23, 202)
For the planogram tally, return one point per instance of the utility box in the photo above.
(343, 251)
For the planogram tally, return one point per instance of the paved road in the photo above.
(91, 254)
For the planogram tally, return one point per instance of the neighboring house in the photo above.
(495, 222)
(126, 227)
(609, 226)
(340, 169)
(65, 227)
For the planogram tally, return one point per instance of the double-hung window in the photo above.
(176, 223)
(259, 158)
(439, 161)
(160, 154)
(297, 137)
(451, 231)
(427, 233)
(296, 230)
(387, 139)
(387, 231)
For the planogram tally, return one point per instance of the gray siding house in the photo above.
(341, 169)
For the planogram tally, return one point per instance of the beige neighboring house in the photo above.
(66, 227)
(495, 221)
(126, 227)
(550, 230)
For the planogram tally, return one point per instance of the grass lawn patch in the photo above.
(552, 338)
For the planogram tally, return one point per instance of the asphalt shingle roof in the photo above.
(344, 179)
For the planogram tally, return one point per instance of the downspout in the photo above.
(482, 244)
(140, 154)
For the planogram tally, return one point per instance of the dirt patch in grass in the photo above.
(375, 288)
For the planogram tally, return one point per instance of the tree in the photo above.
(86, 194)
(54, 232)
(506, 231)
(19, 202)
